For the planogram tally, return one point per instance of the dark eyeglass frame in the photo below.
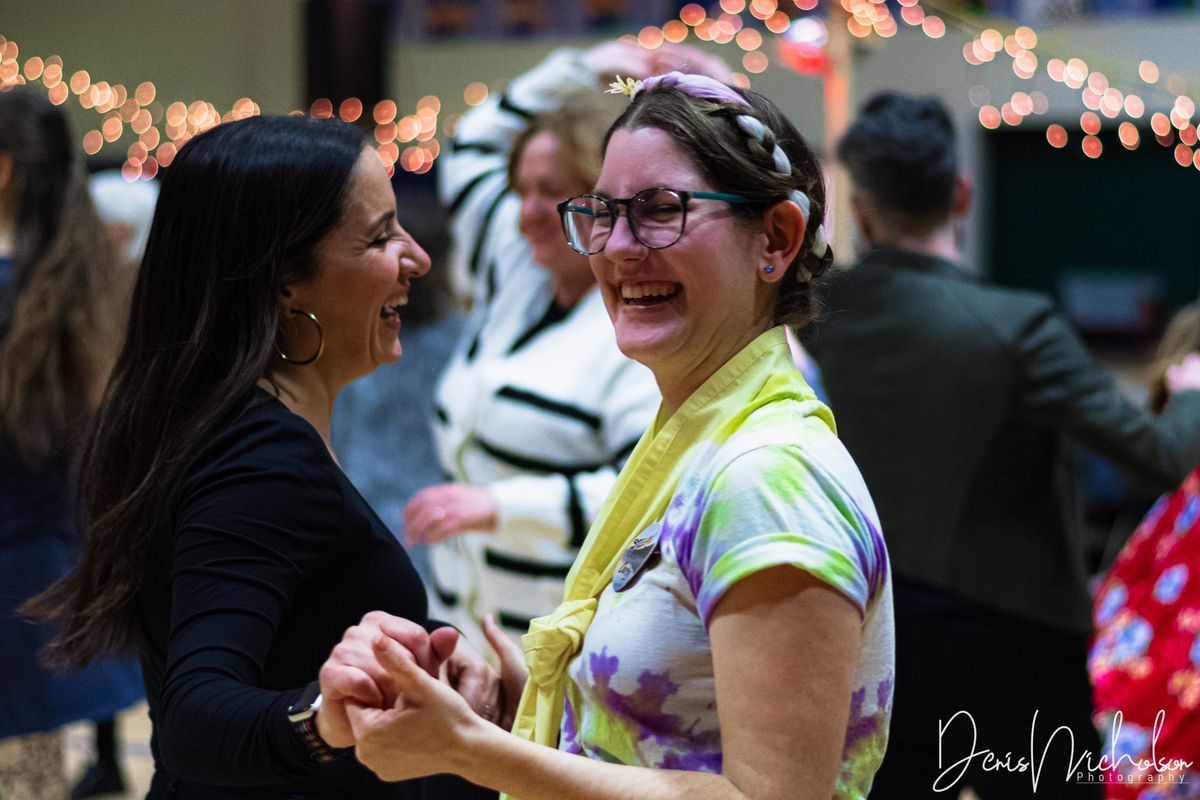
(613, 205)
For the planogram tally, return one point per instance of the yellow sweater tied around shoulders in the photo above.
(761, 373)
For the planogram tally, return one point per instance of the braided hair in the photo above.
(743, 144)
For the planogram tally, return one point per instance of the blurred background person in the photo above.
(538, 408)
(382, 424)
(956, 398)
(1146, 656)
(126, 208)
(62, 306)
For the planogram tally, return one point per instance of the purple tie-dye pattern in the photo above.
(643, 706)
(694, 761)
(569, 732)
(863, 727)
(680, 525)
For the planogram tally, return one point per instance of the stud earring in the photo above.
(769, 268)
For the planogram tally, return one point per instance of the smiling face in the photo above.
(365, 265)
(684, 310)
(544, 177)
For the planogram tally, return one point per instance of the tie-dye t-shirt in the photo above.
(782, 490)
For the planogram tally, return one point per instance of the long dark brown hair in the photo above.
(62, 310)
(241, 212)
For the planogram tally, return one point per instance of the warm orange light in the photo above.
(1091, 99)
(1089, 122)
(778, 22)
(137, 152)
(390, 151)
(755, 62)
(989, 117)
(384, 112)
(1056, 69)
(385, 133)
(407, 129)
(131, 171)
(912, 15)
(1160, 124)
(1129, 136)
(475, 93)
(886, 27)
(59, 94)
(80, 82)
(1188, 136)
(933, 27)
(650, 37)
(857, 28)
(34, 67)
(431, 103)
(1092, 148)
(1022, 103)
(1040, 102)
(1148, 71)
(992, 40)
(92, 142)
(675, 31)
(761, 9)
(1183, 155)
(1026, 37)
(1134, 106)
(692, 14)
(969, 54)
(321, 108)
(166, 154)
(112, 129)
(350, 109)
(149, 168)
(1056, 135)
(733, 6)
(141, 121)
(741, 80)
(749, 39)
(52, 75)
(150, 138)
(1010, 115)
(1077, 70)
(145, 93)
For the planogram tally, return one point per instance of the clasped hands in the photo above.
(411, 702)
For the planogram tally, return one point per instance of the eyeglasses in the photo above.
(656, 217)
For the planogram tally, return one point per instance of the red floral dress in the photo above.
(1145, 661)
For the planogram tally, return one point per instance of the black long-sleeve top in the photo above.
(263, 557)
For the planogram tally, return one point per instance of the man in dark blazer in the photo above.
(956, 399)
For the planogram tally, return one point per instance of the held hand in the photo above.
(1185, 375)
(439, 512)
(352, 673)
(468, 674)
(513, 673)
(424, 732)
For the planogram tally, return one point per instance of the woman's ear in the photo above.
(783, 234)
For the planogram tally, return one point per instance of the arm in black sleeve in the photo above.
(253, 527)
(1062, 388)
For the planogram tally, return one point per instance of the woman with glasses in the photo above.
(538, 408)
(726, 631)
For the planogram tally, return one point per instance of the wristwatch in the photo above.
(302, 714)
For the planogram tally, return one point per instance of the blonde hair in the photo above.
(1181, 337)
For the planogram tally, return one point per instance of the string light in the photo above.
(160, 131)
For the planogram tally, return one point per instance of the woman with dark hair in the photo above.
(62, 300)
(225, 544)
(726, 631)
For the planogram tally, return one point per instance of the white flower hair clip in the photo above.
(626, 86)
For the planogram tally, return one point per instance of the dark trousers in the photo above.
(968, 682)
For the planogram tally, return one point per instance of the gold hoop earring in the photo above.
(320, 343)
